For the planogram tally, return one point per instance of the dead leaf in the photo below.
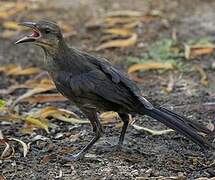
(29, 129)
(30, 84)
(7, 67)
(150, 66)
(50, 110)
(34, 121)
(74, 137)
(204, 78)
(7, 34)
(193, 51)
(94, 24)
(64, 26)
(37, 122)
(136, 78)
(12, 25)
(24, 145)
(8, 152)
(121, 32)
(109, 116)
(17, 70)
(120, 21)
(44, 86)
(10, 9)
(43, 98)
(60, 114)
(46, 159)
(9, 117)
(66, 150)
(150, 131)
(130, 25)
(127, 13)
(119, 43)
(68, 30)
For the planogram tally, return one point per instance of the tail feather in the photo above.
(199, 127)
(182, 125)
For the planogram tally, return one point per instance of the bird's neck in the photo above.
(54, 55)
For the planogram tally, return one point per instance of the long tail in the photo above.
(181, 124)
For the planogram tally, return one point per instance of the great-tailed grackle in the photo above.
(94, 85)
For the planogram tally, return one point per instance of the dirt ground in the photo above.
(144, 156)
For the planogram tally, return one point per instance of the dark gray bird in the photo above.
(94, 85)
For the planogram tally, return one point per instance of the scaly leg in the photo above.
(125, 119)
(92, 116)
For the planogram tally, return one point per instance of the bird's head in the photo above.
(44, 33)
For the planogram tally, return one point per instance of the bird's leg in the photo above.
(92, 116)
(125, 119)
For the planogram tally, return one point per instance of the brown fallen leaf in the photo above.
(9, 117)
(68, 30)
(28, 129)
(119, 21)
(30, 84)
(109, 116)
(6, 5)
(119, 43)
(8, 151)
(127, 13)
(17, 70)
(11, 9)
(50, 110)
(130, 25)
(32, 92)
(60, 114)
(24, 145)
(150, 66)
(43, 98)
(204, 78)
(121, 32)
(8, 67)
(66, 150)
(64, 26)
(7, 34)
(34, 121)
(150, 131)
(43, 124)
(12, 25)
(46, 159)
(44, 86)
(193, 51)
(149, 18)
(69, 116)
(136, 78)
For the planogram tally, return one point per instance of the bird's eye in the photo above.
(47, 31)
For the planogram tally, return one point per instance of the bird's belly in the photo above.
(87, 99)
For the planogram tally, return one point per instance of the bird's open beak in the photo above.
(33, 36)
